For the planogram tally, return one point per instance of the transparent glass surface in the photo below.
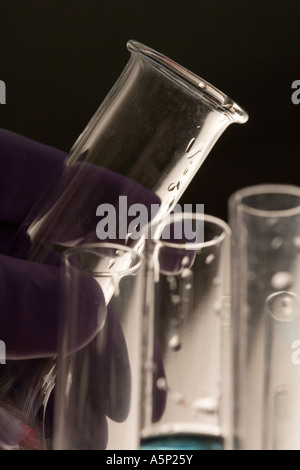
(146, 141)
(265, 223)
(186, 374)
(144, 144)
(97, 394)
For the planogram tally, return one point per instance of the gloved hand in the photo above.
(28, 290)
(29, 300)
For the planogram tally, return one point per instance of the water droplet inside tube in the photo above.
(178, 398)
(186, 273)
(207, 405)
(283, 306)
(172, 282)
(190, 144)
(175, 299)
(161, 384)
(281, 280)
(210, 258)
(216, 282)
(149, 366)
(185, 261)
(174, 343)
(271, 221)
(276, 243)
(296, 242)
(218, 306)
(171, 202)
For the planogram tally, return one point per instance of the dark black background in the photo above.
(60, 58)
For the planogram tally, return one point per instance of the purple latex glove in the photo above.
(29, 300)
(31, 172)
(28, 291)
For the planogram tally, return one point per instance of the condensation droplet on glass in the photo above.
(149, 366)
(281, 280)
(186, 273)
(185, 171)
(178, 398)
(271, 221)
(172, 282)
(185, 261)
(161, 384)
(283, 306)
(210, 258)
(188, 286)
(171, 202)
(218, 306)
(296, 242)
(282, 403)
(276, 243)
(174, 343)
(206, 405)
(175, 299)
(190, 144)
(111, 263)
(202, 85)
(216, 282)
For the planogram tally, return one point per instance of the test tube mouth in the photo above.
(219, 100)
(86, 257)
(217, 230)
(267, 200)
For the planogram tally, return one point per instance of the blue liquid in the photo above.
(183, 442)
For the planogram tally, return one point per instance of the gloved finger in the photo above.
(30, 308)
(109, 383)
(89, 204)
(102, 369)
(27, 168)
